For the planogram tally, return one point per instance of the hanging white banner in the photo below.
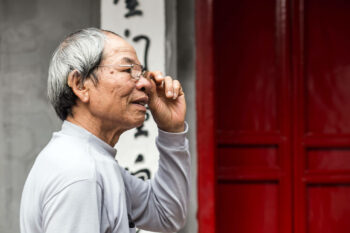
(142, 24)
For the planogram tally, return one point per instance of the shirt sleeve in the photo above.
(75, 209)
(160, 204)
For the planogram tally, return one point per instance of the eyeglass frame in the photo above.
(143, 73)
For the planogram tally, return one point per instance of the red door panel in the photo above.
(327, 210)
(327, 66)
(322, 104)
(257, 157)
(328, 160)
(262, 214)
(246, 72)
(253, 162)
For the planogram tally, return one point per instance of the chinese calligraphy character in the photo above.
(143, 174)
(131, 6)
(147, 45)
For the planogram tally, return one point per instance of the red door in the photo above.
(276, 77)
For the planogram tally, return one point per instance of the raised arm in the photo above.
(161, 204)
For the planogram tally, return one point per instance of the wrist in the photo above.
(176, 141)
(173, 128)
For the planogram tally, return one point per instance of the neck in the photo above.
(108, 134)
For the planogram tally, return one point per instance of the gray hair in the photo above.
(81, 51)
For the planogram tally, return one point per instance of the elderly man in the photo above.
(99, 89)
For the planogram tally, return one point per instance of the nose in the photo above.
(143, 84)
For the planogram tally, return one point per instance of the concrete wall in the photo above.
(29, 32)
(186, 66)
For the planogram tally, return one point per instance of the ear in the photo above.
(79, 88)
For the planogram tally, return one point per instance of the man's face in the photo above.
(118, 99)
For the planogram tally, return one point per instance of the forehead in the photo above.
(117, 49)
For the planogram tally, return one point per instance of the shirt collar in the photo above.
(74, 130)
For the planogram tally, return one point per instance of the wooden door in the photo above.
(321, 116)
(253, 154)
(276, 77)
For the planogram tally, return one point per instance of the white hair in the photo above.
(81, 51)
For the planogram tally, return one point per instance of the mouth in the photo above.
(141, 101)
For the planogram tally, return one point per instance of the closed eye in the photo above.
(127, 70)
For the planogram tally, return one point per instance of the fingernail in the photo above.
(160, 76)
(175, 96)
(170, 93)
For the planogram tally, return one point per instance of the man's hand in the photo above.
(167, 102)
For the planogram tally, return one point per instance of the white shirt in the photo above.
(76, 186)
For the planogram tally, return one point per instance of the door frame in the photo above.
(205, 116)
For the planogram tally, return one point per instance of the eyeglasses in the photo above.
(136, 70)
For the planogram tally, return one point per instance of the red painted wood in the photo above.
(281, 97)
(339, 177)
(244, 33)
(321, 55)
(224, 174)
(262, 216)
(239, 138)
(326, 141)
(327, 208)
(253, 111)
(254, 157)
(297, 105)
(327, 67)
(321, 159)
(205, 117)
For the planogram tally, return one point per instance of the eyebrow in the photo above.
(128, 60)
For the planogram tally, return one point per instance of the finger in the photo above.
(169, 89)
(177, 88)
(157, 77)
(181, 92)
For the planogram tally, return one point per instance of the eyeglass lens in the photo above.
(137, 71)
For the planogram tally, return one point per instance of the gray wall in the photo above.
(180, 63)
(186, 66)
(29, 32)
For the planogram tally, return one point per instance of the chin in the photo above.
(136, 121)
